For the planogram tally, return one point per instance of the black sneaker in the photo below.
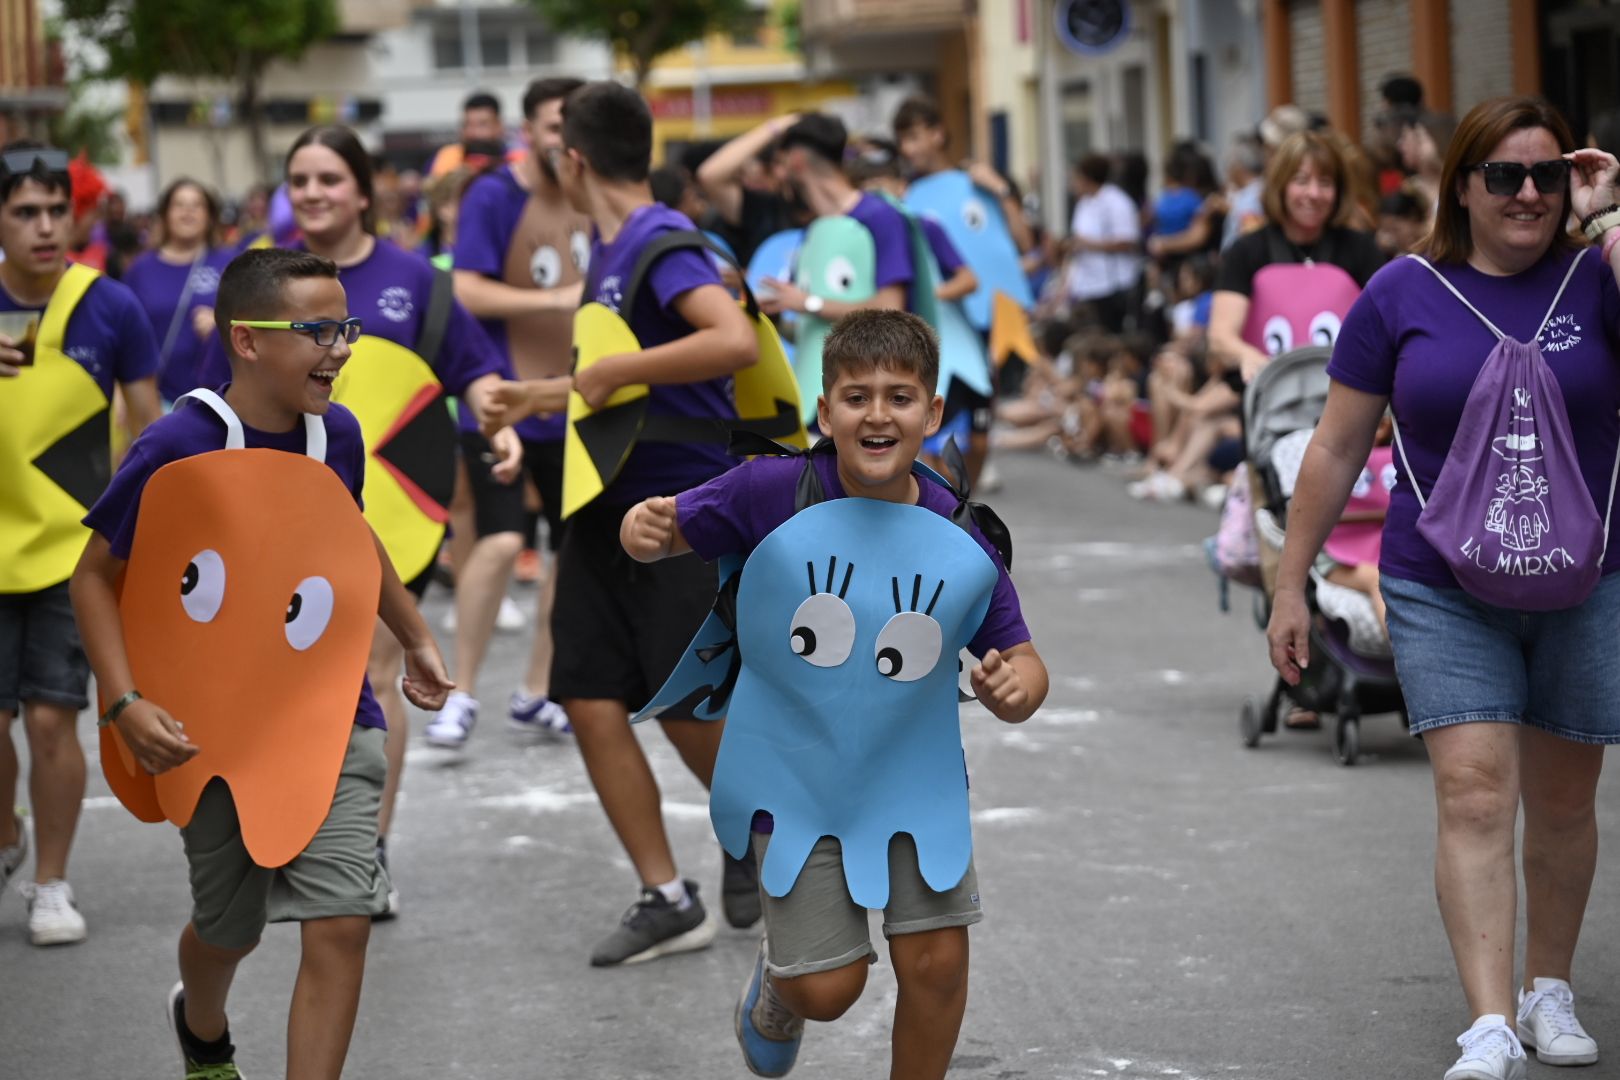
(654, 927)
(218, 1060)
(739, 888)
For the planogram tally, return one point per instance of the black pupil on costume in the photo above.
(889, 661)
(804, 640)
(294, 606)
(189, 579)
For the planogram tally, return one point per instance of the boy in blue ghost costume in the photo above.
(847, 633)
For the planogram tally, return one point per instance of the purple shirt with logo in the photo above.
(159, 285)
(107, 334)
(194, 429)
(661, 468)
(1407, 337)
(733, 513)
(891, 237)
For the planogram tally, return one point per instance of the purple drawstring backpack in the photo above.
(1510, 512)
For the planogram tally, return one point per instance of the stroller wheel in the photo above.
(1347, 741)
(1249, 723)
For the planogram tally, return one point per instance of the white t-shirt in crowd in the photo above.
(1109, 215)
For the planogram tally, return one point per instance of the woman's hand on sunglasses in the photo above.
(1594, 180)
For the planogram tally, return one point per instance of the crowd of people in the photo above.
(542, 360)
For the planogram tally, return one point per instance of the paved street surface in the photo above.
(1161, 902)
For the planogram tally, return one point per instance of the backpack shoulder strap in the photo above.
(235, 436)
(437, 318)
(1438, 276)
(680, 240)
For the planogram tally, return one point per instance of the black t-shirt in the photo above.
(1356, 253)
(763, 216)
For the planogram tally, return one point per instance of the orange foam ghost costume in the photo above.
(248, 603)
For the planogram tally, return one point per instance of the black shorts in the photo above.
(959, 399)
(41, 656)
(418, 586)
(498, 507)
(619, 626)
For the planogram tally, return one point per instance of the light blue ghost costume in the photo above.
(776, 257)
(979, 231)
(848, 619)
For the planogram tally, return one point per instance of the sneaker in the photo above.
(1548, 1026)
(1213, 496)
(53, 915)
(453, 725)
(538, 714)
(1158, 487)
(12, 856)
(1490, 1051)
(526, 571)
(199, 1070)
(654, 927)
(392, 910)
(509, 619)
(739, 889)
(767, 1030)
(989, 479)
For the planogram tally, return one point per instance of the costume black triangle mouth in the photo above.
(80, 462)
(420, 452)
(609, 434)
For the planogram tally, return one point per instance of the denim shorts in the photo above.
(1462, 661)
(41, 656)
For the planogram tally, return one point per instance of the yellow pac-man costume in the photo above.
(599, 441)
(55, 451)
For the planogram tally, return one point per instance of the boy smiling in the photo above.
(879, 374)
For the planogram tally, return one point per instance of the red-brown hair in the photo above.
(1485, 126)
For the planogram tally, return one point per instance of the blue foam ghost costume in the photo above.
(776, 257)
(979, 231)
(845, 625)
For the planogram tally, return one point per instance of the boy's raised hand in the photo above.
(156, 739)
(648, 532)
(426, 684)
(998, 685)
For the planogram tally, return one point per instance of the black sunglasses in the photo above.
(19, 162)
(1507, 177)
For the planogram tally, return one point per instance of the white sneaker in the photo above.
(452, 726)
(53, 916)
(508, 620)
(537, 714)
(1548, 1026)
(12, 856)
(1490, 1051)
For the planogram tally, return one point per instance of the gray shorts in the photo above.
(232, 897)
(818, 927)
(41, 656)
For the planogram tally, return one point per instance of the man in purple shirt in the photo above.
(620, 627)
(67, 336)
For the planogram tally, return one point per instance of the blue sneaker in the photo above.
(537, 714)
(767, 1030)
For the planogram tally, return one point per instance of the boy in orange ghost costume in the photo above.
(286, 326)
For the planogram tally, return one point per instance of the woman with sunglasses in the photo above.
(391, 290)
(176, 283)
(1514, 707)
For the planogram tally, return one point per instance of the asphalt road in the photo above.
(1160, 901)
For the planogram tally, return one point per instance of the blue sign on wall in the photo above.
(1092, 27)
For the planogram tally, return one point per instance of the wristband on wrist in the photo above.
(1595, 224)
(1609, 243)
(117, 708)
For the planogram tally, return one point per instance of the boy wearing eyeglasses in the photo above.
(69, 339)
(284, 318)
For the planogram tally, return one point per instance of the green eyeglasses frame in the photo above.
(325, 332)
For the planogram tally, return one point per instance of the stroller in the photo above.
(1352, 673)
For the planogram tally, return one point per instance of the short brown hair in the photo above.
(1486, 125)
(916, 112)
(254, 285)
(881, 337)
(1292, 153)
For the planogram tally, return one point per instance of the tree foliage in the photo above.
(204, 39)
(643, 30)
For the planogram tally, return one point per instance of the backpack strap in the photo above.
(235, 436)
(1454, 292)
(1573, 263)
(681, 240)
(437, 319)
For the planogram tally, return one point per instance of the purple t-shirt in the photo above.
(194, 429)
(939, 243)
(733, 513)
(159, 285)
(891, 237)
(490, 212)
(388, 292)
(107, 334)
(1408, 337)
(661, 468)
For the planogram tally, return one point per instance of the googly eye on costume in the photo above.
(840, 275)
(974, 215)
(545, 266)
(908, 647)
(308, 612)
(823, 626)
(579, 249)
(202, 586)
(1325, 328)
(1278, 335)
